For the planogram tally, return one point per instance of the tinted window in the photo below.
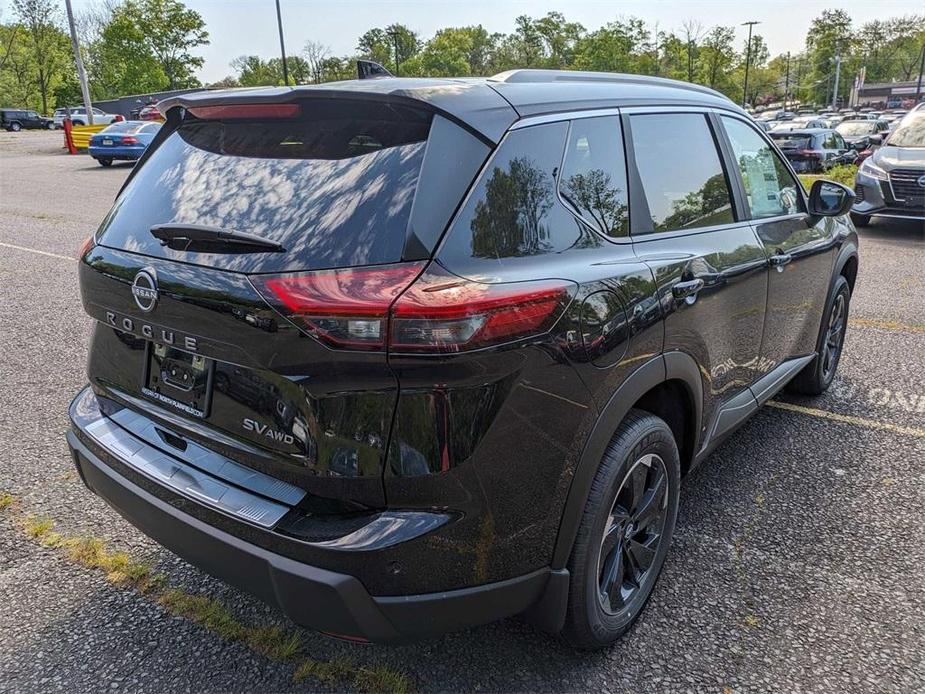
(681, 173)
(770, 189)
(333, 187)
(125, 126)
(594, 174)
(793, 141)
(513, 211)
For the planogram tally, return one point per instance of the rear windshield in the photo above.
(791, 142)
(124, 127)
(334, 187)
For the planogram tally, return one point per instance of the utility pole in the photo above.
(748, 59)
(282, 44)
(787, 82)
(835, 90)
(81, 72)
(918, 86)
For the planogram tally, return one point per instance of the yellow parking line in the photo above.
(886, 325)
(33, 250)
(848, 419)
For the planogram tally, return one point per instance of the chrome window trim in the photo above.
(562, 116)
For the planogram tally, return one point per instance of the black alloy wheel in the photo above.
(835, 337)
(633, 532)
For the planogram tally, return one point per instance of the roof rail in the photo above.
(538, 76)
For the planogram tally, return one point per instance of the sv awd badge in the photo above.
(144, 289)
(265, 430)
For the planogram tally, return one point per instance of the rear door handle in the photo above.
(683, 290)
(778, 260)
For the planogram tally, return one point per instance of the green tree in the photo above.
(47, 42)
(829, 34)
(169, 32)
(615, 47)
(716, 57)
(395, 43)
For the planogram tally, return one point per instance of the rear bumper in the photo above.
(314, 597)
(122, 153)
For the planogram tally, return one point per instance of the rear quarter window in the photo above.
(513, 213)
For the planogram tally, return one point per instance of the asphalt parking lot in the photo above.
(798, 563)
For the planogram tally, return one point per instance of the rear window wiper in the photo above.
(203, 239)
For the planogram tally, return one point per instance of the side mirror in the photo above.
(876, 139)
(830, 199)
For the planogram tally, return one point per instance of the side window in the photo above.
(839, 141)
(680, 196)
(829, 141)
(513, 211)
(593, 176)
(770, 189)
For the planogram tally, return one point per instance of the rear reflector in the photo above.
(435, 312)
(241, 111)
(86, 246)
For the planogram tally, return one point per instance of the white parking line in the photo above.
(33, 250)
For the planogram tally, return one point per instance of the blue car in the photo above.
(125, 141)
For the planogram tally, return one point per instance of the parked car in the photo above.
(502, 367)
(123, 141)
(891, 182)
(801, 123)
(150, 112)
(16, 119)
(812, 151)
(861, 134)
(79, 117)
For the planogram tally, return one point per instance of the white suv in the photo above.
(79, 116)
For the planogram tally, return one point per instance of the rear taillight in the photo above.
(129, 140)
(442, 313)
(343, 308)
(85, 246)
(370, 308)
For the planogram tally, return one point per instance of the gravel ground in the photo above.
(798, 556)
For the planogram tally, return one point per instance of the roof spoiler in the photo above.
(368, 70)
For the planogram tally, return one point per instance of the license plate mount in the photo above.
(180, 379)
(107, 141)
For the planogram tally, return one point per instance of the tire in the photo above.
(15, 127)
(51, 126)
(817, 376)
(643, 448)
(860, 220)
(105, 161)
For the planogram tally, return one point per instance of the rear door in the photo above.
(800, 248)
(710, 268)
(270, 350)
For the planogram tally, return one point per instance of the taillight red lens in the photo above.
(443, 313)
(435, 312)
(85, 246)
(128, 140)
(239, 111)
(344, 308)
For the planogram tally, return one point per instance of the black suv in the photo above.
(402, 356)
(891, 182)
(16, 119)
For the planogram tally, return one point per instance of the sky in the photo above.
(245, 27)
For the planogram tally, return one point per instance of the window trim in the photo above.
(801, 191)
(638, 198)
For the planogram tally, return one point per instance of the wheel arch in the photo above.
(674, 375)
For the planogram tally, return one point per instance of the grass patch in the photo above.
(844, 174)
(272, 641)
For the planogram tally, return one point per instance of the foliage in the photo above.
(138, 46)
(844, 174)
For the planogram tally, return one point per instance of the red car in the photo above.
(150, 112)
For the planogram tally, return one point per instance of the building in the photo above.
(888, 94)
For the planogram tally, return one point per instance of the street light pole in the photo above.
(81, 72)
(748, 59)
(787, 82)
(282, 44)
(835, 90)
